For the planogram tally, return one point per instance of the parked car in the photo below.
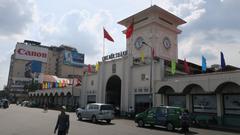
(167, 116)
(95, 112)
(25, 103)
(4, 103)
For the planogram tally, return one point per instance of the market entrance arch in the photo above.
(113, 91)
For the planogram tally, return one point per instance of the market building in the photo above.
(131, 79)
(32, 64)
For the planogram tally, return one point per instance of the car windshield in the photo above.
(106, 107)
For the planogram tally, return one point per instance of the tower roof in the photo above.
(153, 9)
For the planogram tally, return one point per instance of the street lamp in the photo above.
(73, 75)
(151, 93)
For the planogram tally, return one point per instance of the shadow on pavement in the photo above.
(102, 123)
(164, 129)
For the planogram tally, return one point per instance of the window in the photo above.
(152, 111)
(106, 107)
(177, 100)
(92, 82)
(232, 104)
(114, 68)
(161, 111)
(135, 90)
(143, 76)
(91, 99)
(205, 103)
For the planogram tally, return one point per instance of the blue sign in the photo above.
(33, 67)
(36, 67)
(73, 58)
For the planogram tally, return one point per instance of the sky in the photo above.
(212, 26)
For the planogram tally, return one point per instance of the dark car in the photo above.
(4, 103)
(167, 116)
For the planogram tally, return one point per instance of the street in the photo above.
(17, 120)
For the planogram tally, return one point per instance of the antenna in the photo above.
(151, 2)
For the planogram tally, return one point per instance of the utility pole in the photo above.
(151, 96)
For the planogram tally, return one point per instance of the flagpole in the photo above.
(103, 46)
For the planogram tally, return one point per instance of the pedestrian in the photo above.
(130, 112)
(45, 107)
(185, 121)
(62, 124)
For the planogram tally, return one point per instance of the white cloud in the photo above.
(78, 28)
(208, 44)
(15, 15)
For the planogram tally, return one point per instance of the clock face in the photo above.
(166, 43)
(138, 42)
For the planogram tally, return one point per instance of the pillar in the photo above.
(189, 103)
(158, 99)
(219, 108)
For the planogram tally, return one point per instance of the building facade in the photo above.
(31, 61)
(139, 78)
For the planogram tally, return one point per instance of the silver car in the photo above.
(95, 112)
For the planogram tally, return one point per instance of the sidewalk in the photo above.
(220, 128)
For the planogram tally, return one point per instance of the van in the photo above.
(167, 116)
(96, 111)
(4, 103)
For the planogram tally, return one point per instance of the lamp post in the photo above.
(73, 86)
(151, 92)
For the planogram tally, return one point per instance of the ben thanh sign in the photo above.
(114, 55)
(28, 52)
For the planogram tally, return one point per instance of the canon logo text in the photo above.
(22, 51)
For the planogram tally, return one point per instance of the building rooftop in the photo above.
(171, 18)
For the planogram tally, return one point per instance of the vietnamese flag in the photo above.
(129, 31)
(107, 35)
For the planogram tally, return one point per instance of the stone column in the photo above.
(158, 100)
(189, 103)
(219, 108)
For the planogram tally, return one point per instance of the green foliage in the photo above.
(32, 87)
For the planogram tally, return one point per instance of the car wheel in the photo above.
(170, 127)
(108, 121)
(94, 119)
(79, 117)
(141, 123)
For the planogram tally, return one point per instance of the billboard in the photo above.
(28, 52)
(33, 68)
(73, 58)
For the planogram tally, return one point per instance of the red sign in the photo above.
(30, 52)
(22, 51)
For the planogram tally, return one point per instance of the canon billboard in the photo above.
(28, 52)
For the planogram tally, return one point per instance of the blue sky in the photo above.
(212, 26)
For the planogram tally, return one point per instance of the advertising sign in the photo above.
(205, 103)
(29, 52)
(73, 58)
(232, 104)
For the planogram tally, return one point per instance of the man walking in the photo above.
(62, 123)
(185, 121)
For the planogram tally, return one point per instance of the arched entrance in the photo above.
(113, 91)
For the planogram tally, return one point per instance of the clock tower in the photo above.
(157, 28)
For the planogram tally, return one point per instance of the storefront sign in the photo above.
(28, 52)
(114, 55)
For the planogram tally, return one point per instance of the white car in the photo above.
(95, 112)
